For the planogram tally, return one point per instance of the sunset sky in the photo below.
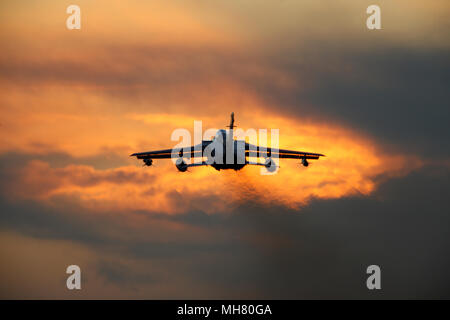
(76, 103)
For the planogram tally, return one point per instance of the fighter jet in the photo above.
(225, 152)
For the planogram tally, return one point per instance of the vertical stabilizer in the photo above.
(231, 126)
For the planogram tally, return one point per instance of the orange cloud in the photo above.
(351, 166)
(110, 89)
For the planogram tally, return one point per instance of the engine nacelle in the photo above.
(270, 165)
(305, 162)
(181, 165)
(148, 162)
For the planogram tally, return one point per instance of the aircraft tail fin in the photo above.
(231, 126)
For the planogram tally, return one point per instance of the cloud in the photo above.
(75, 105)
(396, 94)
(353, 165)
(259, 251)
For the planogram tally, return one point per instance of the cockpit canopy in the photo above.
(221, 135)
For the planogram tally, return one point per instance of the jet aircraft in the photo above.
(225, 152)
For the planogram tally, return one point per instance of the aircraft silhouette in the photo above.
(224, 152)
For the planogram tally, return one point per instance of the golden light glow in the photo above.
(125, 81)
(350, 167)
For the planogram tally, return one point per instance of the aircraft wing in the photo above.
(257, 151)
(192, 151)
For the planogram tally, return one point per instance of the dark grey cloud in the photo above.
(33, 219)
(107, 160)
(397, 94)
(402, 228)
(123, 275)
(320, 251)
